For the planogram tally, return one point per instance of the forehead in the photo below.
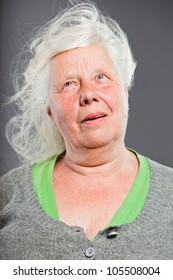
(93, 56)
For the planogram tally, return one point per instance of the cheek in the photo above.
(111, 96)
(55, 110)
(62, 110)
(115, 99)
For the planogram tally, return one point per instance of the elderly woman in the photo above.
(81, 194)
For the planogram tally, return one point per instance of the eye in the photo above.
(101, 76)
(68, 84)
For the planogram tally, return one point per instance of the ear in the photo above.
(49, 112)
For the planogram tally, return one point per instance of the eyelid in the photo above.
(71, 80)
(99, 74)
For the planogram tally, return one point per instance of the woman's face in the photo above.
(86, 99)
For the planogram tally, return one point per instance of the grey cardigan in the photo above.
(27, 232)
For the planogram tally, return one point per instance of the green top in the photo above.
(128, 211)
(43, 186)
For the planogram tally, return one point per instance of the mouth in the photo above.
(94, 117)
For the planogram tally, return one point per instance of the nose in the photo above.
(88, 95)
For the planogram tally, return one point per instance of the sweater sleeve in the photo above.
(6, 189)
(11, 184)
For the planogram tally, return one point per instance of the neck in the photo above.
(98, 162)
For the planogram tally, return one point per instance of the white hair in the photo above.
(31, 133)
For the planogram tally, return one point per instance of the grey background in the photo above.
(148, 25)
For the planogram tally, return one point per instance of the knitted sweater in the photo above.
(27, 232)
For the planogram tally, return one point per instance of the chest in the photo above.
(89, 204)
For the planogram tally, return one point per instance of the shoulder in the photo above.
(160, 171)
(161, 181)
(16, 174)
(12, 181)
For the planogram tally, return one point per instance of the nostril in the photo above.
(85, 101)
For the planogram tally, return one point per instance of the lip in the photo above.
(93, 117)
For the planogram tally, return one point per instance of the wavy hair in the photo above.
(31, 132)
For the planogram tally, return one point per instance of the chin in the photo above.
(96, 143)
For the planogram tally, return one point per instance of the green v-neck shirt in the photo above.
(128, 211)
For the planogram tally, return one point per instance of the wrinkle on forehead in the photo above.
(77, 62)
